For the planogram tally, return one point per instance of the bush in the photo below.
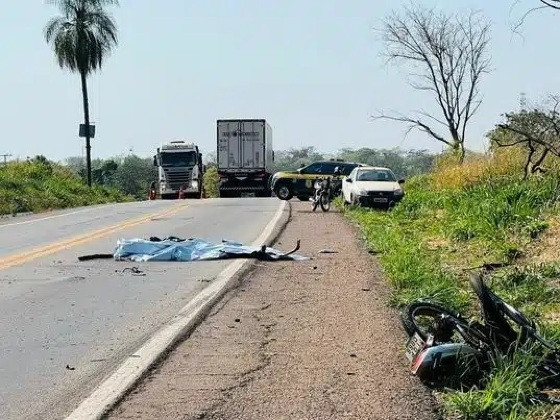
(450, 174)
(38, 186)
(211, 182)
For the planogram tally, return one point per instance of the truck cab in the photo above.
(179, 169)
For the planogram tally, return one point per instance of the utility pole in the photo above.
(6, 156)
(523, 101)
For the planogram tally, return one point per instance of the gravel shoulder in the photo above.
(296, 340)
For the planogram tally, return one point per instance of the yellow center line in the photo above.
(43, 251)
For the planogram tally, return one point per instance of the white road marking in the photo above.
(27, 222)
(110, 391)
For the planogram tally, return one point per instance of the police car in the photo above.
(300, 183)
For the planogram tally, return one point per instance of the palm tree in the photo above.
(82, 38)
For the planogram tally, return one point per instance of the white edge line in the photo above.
(131, 370)
(56, 216)
(53, 217)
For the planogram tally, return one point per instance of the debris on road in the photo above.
(95, 257)
(134, 270)
(328, 251)
(192, 249)
(489, 266)
(282, 360)
(70, 368)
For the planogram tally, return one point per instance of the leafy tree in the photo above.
(288, 160)
(82, 37)
(211, 182)
(134, 175)
(448, 55)
(104, 173)
(403, 163)
(210, 159)
(76, 165)
(536, 131)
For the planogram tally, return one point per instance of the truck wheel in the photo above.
(283, 192)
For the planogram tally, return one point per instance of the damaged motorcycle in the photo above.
(448, 350)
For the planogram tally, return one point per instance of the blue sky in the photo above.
(312, 68)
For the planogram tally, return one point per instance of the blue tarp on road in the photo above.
(194, 249)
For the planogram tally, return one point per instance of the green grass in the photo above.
(38, 186)
(211, 182)
(429, 241)
(505, 394)
(412, 269)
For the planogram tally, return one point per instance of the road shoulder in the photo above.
(312, 339)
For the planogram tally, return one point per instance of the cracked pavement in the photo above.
(296, 340)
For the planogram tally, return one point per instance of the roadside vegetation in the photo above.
(131, 175)
(403, 162)
(457, 218)
(40, 185)
(210, 182)
(473, 209)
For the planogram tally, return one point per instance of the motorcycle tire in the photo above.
(471, 333)
(315, 202)
(325, 202)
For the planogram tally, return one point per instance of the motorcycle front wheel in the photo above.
(315, 202)
(325, 202)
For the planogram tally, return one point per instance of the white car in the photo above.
(372, 186)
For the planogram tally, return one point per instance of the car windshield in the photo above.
(375, 175)
(327, 168)
(178, 159)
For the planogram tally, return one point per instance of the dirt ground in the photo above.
(297, 340)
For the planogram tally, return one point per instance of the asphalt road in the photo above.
(64, 324)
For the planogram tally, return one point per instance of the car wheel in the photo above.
(353, 200)
(283, 192)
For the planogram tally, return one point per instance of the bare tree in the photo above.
(448, 57)
(555, 4)
(537, 131)
(541, 4)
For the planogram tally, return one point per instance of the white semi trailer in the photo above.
(245, 157)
